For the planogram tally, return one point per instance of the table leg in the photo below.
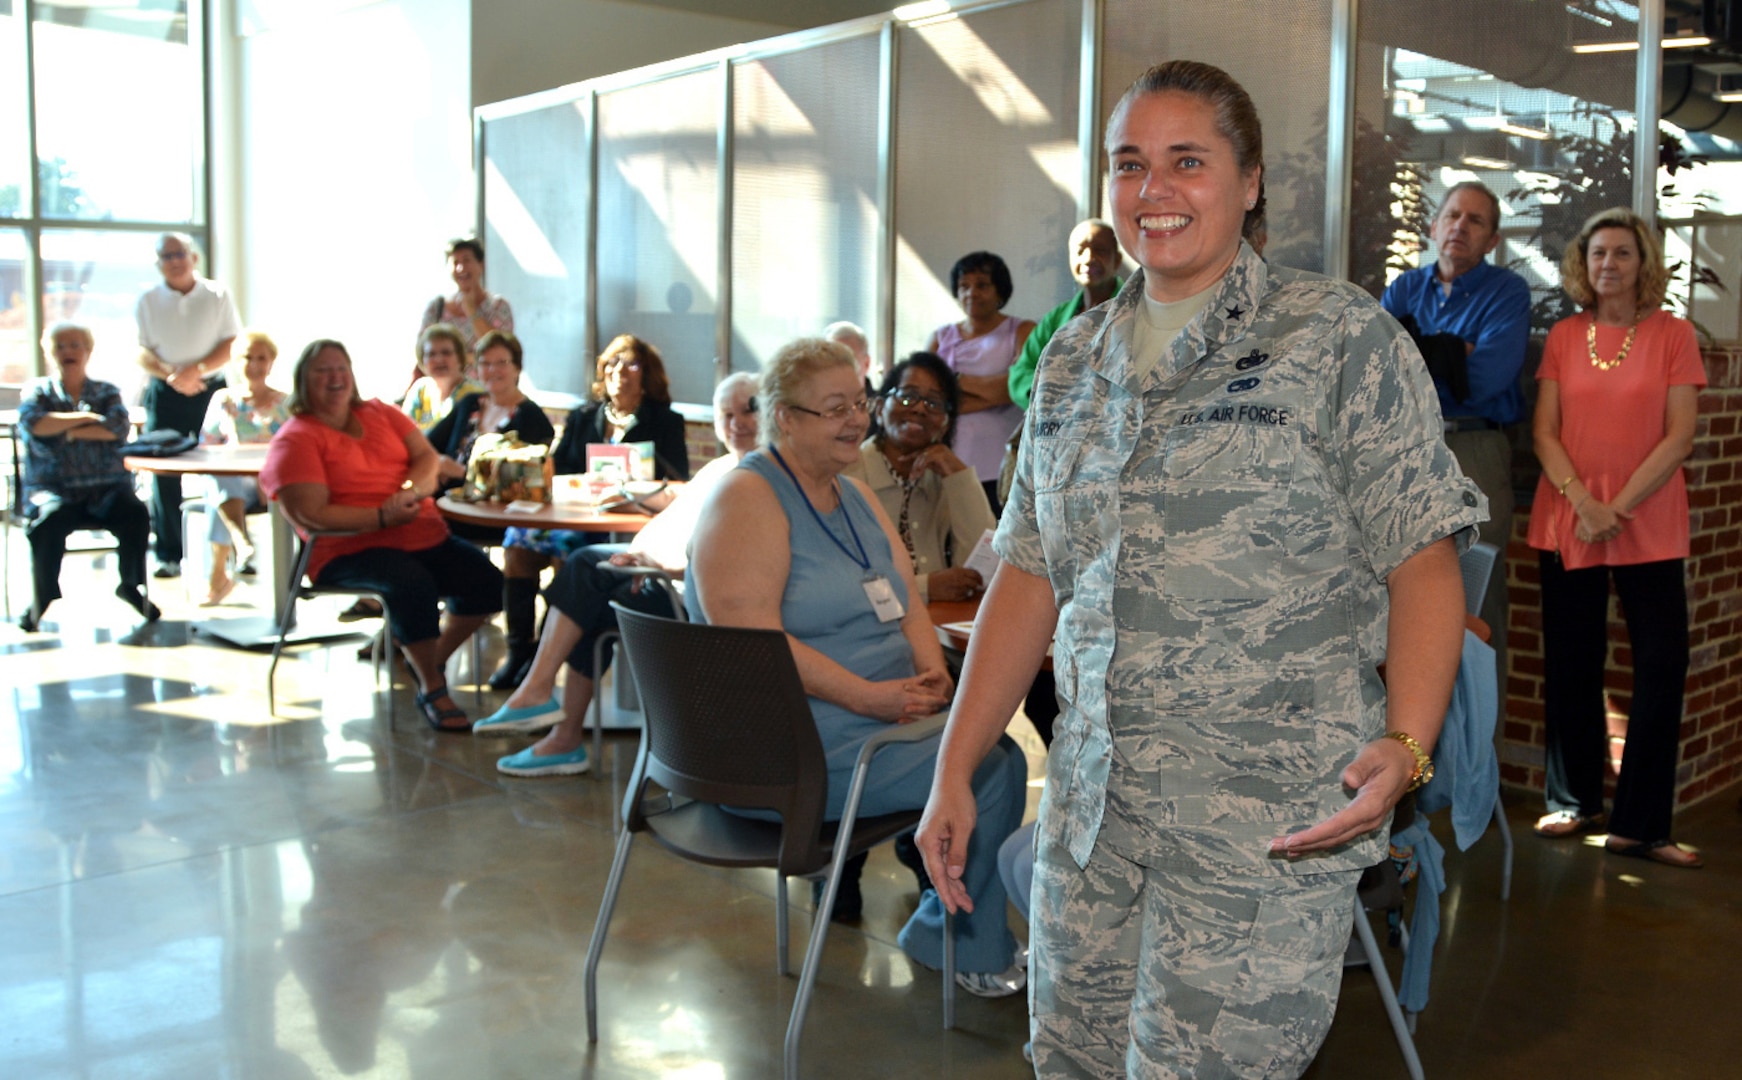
(283, 558)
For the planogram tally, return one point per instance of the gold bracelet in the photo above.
(1424, 765)
(1568, 482)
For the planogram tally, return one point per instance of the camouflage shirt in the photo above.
(1217, 534)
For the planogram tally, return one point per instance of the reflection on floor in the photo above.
(190, 889)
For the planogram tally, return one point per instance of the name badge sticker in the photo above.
(882, 597)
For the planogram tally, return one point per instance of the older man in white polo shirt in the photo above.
(186, 327)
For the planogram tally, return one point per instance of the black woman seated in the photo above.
(631, 403)
(580, 601)
(934, 498)
(74, 429)
(362, 469)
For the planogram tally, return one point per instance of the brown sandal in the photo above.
(1658, 851)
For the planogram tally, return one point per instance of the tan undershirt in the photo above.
(1158, 323)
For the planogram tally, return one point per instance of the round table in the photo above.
(242, 460)
(571, 516)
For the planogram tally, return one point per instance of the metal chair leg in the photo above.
(782, 927)
(949, 971)
(1506, 846)
(1382, 978)
(813, 953)
(596, 946)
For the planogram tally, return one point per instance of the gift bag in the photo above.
(504, 469)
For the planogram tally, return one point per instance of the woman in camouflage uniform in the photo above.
(1228, 475)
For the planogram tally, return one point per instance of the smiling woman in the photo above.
(788, 543)
(937, 503)
(1617, 403)
(981, 349)
(362, 470)
(1206, 585)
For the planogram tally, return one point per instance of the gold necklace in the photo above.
(1591, 346)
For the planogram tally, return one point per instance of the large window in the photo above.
(742, 198)
(101, 150)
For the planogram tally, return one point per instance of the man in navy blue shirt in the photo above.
(1471, 321)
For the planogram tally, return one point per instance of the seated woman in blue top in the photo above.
(785, 542)
(74, 429)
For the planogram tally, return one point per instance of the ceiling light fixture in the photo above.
(1476, 162)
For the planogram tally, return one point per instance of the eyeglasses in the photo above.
(171, 256)
(907, 399)
(858, 406)
(622, 365)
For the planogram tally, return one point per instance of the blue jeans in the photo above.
(900, 779)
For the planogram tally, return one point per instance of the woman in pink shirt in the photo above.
(980, 349)
(1615, 413)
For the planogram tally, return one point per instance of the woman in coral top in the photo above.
(362, 473)
(1616, 406)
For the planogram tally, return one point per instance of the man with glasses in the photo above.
(186, 328)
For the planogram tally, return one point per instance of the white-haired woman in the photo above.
(788, 543)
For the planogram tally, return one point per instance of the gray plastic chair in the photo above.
(727, 723)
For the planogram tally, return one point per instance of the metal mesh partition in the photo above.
(1489, 90)
(659, 222)
(804, 195)
(1283, 61)
(986, 157)
(537, 188)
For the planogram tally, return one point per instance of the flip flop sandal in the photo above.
(443, 719)
(1565, 823)
(1654, 851)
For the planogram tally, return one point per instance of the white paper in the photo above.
(984, 560)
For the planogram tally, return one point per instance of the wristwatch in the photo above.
(1424, 765)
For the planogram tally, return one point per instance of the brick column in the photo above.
(1711, 742)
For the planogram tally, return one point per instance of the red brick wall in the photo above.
(1711, 744)
(702, 444)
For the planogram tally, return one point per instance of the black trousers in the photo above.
(114, 509)
(1575, 645)
(584, 593)
(169, 408)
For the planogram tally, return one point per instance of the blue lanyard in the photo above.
(863, 560)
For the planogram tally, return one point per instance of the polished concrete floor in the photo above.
(190, 889)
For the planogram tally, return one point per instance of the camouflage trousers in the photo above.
(1148, 973)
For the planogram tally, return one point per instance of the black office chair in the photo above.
(727, 722)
